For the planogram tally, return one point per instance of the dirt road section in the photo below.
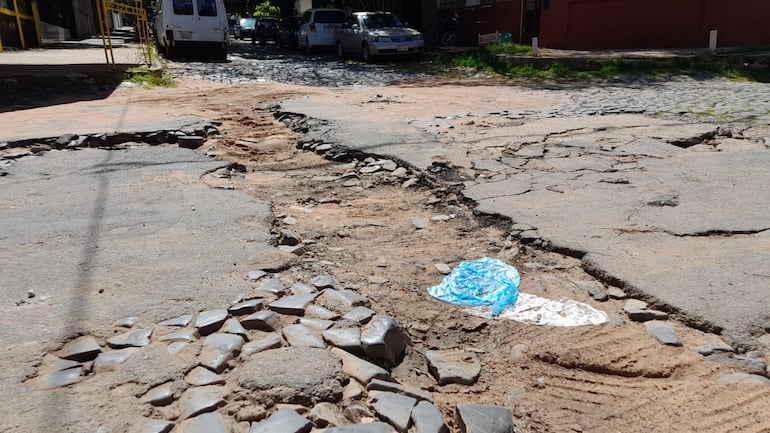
(383, 239)
(682, 198)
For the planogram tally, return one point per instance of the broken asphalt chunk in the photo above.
(200, 376)
(135, 338)
(271, 341)
(341, 301)
(284, 421)
(427, 419)
(262, 320)
(361, 370)
(152, 426)
(108, 361)
(324, 282)
(382, 385)
(210, 321)
(301, 336)
(453, 366)
(663, 332)
(383, 338)
(202, 399)
(206, 423)
(394, 408)
(637, 311)
(180, 321)
(348, 339)
(56, 379)
(372, 427)
(218, 349)
(293, 305)
(246, 307)
(81, 349)
(477, 418)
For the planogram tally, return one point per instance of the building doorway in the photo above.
(530, 20)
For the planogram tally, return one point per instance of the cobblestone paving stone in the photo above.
(719, 99)
(696, 98)
(250, 64)
(285, 372)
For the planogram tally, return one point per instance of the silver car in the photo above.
(372, 34)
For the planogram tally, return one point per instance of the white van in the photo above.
(192, 23)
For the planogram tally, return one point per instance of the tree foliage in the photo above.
(266, 9)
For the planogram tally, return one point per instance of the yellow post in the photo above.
(107, 5)
(18, 24)
(100, 11)
(36, 16)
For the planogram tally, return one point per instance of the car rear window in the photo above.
(333, 17)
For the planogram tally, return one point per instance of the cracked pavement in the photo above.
(673, 208)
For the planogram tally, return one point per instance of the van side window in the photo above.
(183, 7)
(207, 8)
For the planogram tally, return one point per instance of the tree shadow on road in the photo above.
(32, 86)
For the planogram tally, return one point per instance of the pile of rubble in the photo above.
(286, 358)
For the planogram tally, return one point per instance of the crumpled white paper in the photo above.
(541, 311)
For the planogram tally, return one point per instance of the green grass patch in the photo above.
(487, 59)
(145, 77)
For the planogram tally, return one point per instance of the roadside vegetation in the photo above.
(492, 59)
(146, 77)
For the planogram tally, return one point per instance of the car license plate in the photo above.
(185, 35)
(403, 48)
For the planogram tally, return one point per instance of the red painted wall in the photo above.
(503, 17)
(583, 24)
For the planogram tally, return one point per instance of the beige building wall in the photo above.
(302, 5)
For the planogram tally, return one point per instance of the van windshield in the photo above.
(183, 7)
(329, 17)
(207, 8)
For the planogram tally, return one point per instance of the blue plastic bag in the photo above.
(484, 281)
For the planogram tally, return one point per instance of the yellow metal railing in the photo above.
(22, 17)
(126, 7)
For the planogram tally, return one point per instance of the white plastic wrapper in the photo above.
(541, 311)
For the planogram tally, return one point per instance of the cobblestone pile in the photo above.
(288, 357)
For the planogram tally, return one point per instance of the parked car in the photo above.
(288, 32)
(318, 28)
(372, 34)
(266, 30)
(234, 28)
(248, 26)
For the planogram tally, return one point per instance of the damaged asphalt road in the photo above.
(176, 245)
(673, 208)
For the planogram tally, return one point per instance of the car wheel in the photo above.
(366, 55)
(168, 50)
(340, 49)
(308, 48)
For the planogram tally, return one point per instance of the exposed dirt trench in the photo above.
(606, 378)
